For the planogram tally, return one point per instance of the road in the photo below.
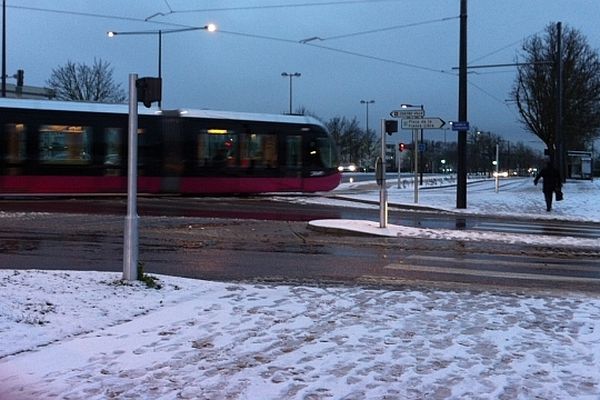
(277, 249)
(264, 208)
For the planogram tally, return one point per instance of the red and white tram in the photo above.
(53, 147)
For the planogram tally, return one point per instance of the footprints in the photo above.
(289, 342)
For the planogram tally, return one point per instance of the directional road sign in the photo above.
(408, 114)
(460, 125)
(423, 123)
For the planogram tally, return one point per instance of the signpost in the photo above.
(407, 114)
(423, 123)
(415, 120)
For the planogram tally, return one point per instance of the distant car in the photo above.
(347, 168)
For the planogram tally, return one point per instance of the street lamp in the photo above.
(366, 103)
(159, 33)
(291, 75)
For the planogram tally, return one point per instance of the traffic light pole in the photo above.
(130, 241)
(416, 157)
(383, 205)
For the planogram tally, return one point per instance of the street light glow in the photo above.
(411, 106)
(209, 27)
(159, 33)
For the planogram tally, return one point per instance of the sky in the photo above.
(390, 51)
(84, 335)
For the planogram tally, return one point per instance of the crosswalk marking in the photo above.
(531, 228)
(489, 274)
(594, 267)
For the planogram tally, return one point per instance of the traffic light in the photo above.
(20, 77)
(401, 147)
(149, 90)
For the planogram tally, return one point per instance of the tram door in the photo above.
(172, 155)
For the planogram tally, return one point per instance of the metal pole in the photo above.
(461, 182)
(3, 48)
(497, 167)
(290, 94)
(559, 156)
(159, 60)
(399, 165)
(367, 103)
(130, 243)
(422, 157)
(383, 210)
(416, 156)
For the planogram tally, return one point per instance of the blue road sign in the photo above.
(460, 125)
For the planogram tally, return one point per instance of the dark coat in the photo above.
(551, 179)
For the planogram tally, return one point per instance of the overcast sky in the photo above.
(390, 51)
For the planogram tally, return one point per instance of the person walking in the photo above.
(551, 183)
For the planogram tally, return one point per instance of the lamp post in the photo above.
(291, 75)
(366, 103)
(159, 33)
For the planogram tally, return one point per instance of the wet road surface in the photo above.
(286, 251)
(264, 208)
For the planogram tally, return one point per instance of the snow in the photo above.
(515, 198)
(88, 335)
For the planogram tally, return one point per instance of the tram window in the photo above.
(217, 148)
(65, 144)
(321, 153)
(259, 150)
(16, 145)
(113, 138)
(294, 150)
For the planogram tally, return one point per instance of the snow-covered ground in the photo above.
(86, 335)
(515, 197)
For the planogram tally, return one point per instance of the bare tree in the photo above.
(354, 143)
(535, 88)
(81, 82)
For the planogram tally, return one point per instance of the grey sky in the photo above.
(395, 51)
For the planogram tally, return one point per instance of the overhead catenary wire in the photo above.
(276, 6)
(151, 19)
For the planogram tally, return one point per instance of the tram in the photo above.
(54, 147)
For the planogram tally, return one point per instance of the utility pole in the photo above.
(461, 183)
(559, 153)
(3, 48)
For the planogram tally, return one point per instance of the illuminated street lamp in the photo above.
(159, 33)
(291, 75)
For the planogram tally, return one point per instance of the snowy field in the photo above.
(75, 335)
(85, 335)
